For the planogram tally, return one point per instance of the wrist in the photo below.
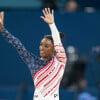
(1, 28)
(51, 25)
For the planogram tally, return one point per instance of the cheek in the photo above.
(51, 51)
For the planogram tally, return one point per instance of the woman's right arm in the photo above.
(15, 42)
(34, 63)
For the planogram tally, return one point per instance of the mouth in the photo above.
(42, 52)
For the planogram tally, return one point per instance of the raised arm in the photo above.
(15, 42)
(49, 19)
(34, 63)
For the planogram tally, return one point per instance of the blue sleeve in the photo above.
(31, 60)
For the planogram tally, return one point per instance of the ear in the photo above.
(54, 51)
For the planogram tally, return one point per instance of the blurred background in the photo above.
(79, 20)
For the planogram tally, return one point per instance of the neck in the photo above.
(46, 59)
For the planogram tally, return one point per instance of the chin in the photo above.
(42, 56)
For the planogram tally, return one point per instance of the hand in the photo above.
(1, 20)
(48, 16)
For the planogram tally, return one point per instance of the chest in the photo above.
(50, 73)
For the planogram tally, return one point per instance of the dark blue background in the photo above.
(82, 31)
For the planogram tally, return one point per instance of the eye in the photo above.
(46, 46)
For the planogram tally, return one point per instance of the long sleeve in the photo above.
(60, 52)
(15, 42)
(33, 62)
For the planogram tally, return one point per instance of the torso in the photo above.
(47, 80)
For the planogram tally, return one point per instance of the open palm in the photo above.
(48, 16)
(1, 19)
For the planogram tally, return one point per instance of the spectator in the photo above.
(89, 9)
(82, 92)
(71, 6)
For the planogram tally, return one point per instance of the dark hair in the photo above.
(62, 36)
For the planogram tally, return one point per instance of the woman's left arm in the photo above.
(60, 51)
(49, 19)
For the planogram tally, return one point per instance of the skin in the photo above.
(46, 49)
(1, 20)
(46, 46)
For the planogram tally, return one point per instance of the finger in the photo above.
(52, 12)
(46, 11)
(2, 15)
(49, 10)
(42, 17)
(0, 18)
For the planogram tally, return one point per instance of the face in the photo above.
(46, 48)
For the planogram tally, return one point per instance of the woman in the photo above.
(48, 70)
